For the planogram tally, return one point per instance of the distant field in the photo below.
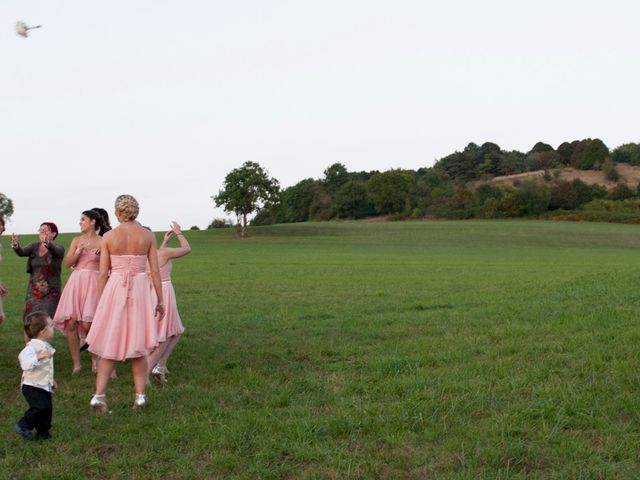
(475, 349)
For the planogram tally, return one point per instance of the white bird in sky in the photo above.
(22, 28)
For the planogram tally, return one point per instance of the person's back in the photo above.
(129, 239)
(124, 326)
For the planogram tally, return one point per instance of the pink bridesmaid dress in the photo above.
(171, 324)
(124, 325)
(80, 295)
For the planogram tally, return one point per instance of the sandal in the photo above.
(139, 402)
(159, 374)
(98, 403)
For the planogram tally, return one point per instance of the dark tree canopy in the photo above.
(6, 206)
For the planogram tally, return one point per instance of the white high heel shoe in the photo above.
(139, 402)
(159, 374)
(98, 403)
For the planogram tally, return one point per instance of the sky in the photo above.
(161, 99)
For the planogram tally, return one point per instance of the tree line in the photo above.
(454, 187)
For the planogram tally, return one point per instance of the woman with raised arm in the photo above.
(44, 267)
(170, 328)
(80, 295)
(125, 324)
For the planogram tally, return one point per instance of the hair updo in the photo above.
(128, 207)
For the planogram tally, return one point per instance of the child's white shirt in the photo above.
(37, 373)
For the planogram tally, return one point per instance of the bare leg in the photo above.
(83, 331)
(170, 344)
(154, 356)
(105, 367)
(74, 344)
(139, 372)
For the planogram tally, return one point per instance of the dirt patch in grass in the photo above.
(629, 174)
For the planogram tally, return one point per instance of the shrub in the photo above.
(219, 223)
(610, 171)
(620, 192)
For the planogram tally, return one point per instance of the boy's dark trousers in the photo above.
(40, 410)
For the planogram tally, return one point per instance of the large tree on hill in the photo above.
(6, 206)
(245, 190)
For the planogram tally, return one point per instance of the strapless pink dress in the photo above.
(171, 324)
(124, 325)
(79, 298)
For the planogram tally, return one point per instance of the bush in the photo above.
(621, 192)
(219, 223)
(195, 227)
(610, 171)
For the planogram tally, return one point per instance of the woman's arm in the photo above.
(184, 248)
(20, 251)
(105, 266)
(152, 257)
(75, 250)
(57, 250)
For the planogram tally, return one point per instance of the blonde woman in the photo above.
(125, 324)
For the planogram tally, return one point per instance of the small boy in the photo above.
(36, 360)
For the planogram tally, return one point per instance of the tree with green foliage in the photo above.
(6, 206)
(621, 192)
(532, 198)
(296, 201)
(335, 176)
(392, 191)
(594, 155)
(627, 153)
(245, 190)
(563, 195)
(541, 147)
(351, 200)
(512, 162)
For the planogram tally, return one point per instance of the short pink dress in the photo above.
(171, 324)
(80, 295)
(125, 325)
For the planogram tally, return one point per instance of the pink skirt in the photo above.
(124, 325)
(79, 299)
(171, 324)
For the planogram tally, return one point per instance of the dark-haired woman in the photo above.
(80, 295)
(44, 267)
(105, 219)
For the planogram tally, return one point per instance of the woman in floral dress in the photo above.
(44, 267)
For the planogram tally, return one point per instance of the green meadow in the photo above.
(383, 350)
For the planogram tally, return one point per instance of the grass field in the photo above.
(488, 349)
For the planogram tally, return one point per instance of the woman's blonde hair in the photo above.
(128, 207)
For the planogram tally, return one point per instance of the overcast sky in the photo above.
(161, 99)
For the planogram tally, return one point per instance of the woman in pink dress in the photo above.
(79, 297)
(170, 328)
(125, 324)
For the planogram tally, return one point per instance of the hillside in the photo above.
(629, 174)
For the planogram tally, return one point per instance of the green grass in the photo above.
(368, 350)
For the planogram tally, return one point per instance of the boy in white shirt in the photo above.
(36, 360)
